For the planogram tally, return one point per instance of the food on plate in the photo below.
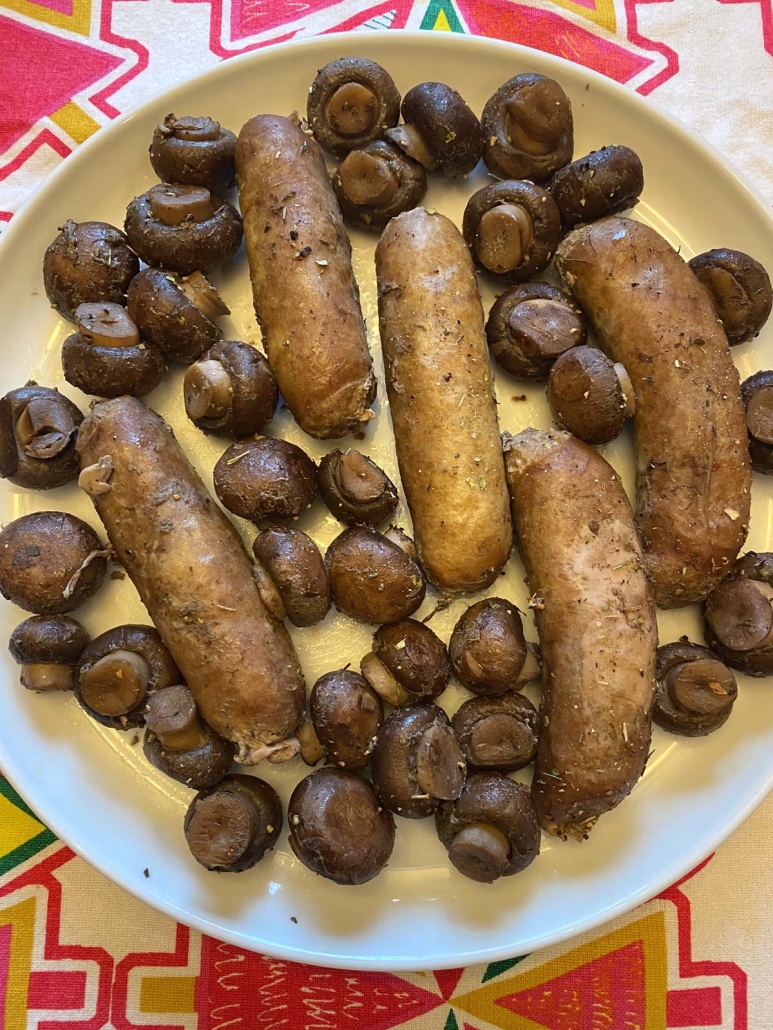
(351, 102)
(297, 570)
(740, 291)
(604, 182)
(355, 489)
(179, 744)
(194, 577)
(51, 562)
(346, 713)
(177, 314)
(488, 650)
(106, 356)
(590, 395)
(696, 691)
(527, 127)
(757, 394)
(305, 295)
(376, 183)
(439, 130)
(337, 827)
(38, 427)
(374, 577)
(87, 262)
(48, 648)
(498, 731)
(264, 478)
(694, 477)
(491, 830)
(408, 663)
(118, 671)
(417, 761)
(530, 325)
(442, 402)
(512, 229)
(194, 150)
(183, 228)
(738, 615)
(230, 390)
(231, 826)
(595, 618)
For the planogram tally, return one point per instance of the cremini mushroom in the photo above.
(176, 314)
(738, 616)
(498, 731)
(346, 713)
(757, 393)
(48, 647)
(231, 826)
(295, 565)
(590, 395)
(179, 744)
(264, 478)
(355, 489)
(376, 183)
(88, 262)
(194, 150)
(231, 390)
(488, 650)
(530, 325)
(740, 291)
(695, 690)
(604, 182)
(38, 427)
(408, 663)
(351, 102)
(440, 129)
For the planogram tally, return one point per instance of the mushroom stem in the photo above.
(207, 390)
(269, 592)
(440, 764)
(44, 428)
(505, 234)
(382, 681)
(172, 205)
(532, 665)
(703, 687)
(221, 829)
(106, 325)
(116, 684)
(47, 676)
(409, 140)
(480, 851)
(626, 390)
(740, 613)
(203, 295)
(172, 714)
(311, 748)
(352, 109)
(367, 180)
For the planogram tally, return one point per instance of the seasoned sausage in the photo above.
(193, 575)
(596, 623)
(441, 397)
(306, 298)
(693, 474)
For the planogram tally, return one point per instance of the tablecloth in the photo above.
(75, 950)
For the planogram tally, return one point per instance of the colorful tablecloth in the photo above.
(75, 950)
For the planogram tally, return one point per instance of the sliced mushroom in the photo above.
(757, 393)
(530, 325)
(738, 616)
(294, 563)
(263, 478)
(179, 744)
(408, 663)
(346, 713)
(512, 229)
(590, 395)
(491, 830)
(337, 827)
(488, 651)
(48, 648)
(88, 262)
(231, 826)
(604, 182)
(440, 129)
(38, 427)
(231, 390)
(194, 151)
(528, 130)
(355, 489)
(351, 102)
(695, 690)
(376, 183)
(498, 731)
(50, 562)
(176, 315)
(739, 288)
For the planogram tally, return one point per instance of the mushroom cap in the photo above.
(695, 691)
(208, 161)
(255, 392)
(446, 124)
(414, 656)
(231, 826)
(201, 768)
(48, 638)
(498, 731)
(338, 73)
(295, 564)
(355, 489)
(740, 290)
(757, 394)
(742, 618)
(604, 182)
(337, 827)
(111, 371)
(487, 646)
(40, 556)
(167, 318)
(346, 712)
(265, 478)
(529, 325)
(407, 177)
(55, 421)
(586, 395)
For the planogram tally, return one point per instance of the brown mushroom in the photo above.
(231, 390)
(604, 182)
(498, 731)
(50, 562)
(38, 427)
(408, 663)
(176, 314)
(491, 830)
(231, 826)
(757, 393)
(738, 616)
(263, 478)
(183, 228)
(346, 713)
(512, 229)
(590, 395)
(337, 827)
(376, 183)
(179, 744)
(530, 325)
(440, 129)
(372, 578)
(740, 291)
(194, 151)
(351, 102)
(417, 761)
(488, 651)
(119, 670)
(87, 262)
(106, 356)
(355, 489)
(527, 129)
(695, 690)
(48, 648)
(294, 563)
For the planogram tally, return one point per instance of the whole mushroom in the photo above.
(264, 478)
(590, 395)
(355, 489)
(489, 653)
(194, 151)
(376, 183)
(498, 731)
(738, 616)
(739, 288)
(346, 713)
(48, 647)
(231, 826)
(176, 314)
(695, 690)
(408, 663)
(440, 129)
(757, 394)
(88, 262)
(351, 102)
(179, 744)
(296, 568)
(38, 427)
(230, 390)
(604, 182)
(530, 325)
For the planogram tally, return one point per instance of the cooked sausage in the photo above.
(193, 575)
(596, 622)
(441, 397)
(693, 474)
(306, 298)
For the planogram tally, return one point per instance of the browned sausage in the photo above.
(693, 474)
(441, 398)
(193, 575)
(596, 622)
(306, 298)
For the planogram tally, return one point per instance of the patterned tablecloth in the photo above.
(76, 951)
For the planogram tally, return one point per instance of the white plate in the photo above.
(95, 789)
